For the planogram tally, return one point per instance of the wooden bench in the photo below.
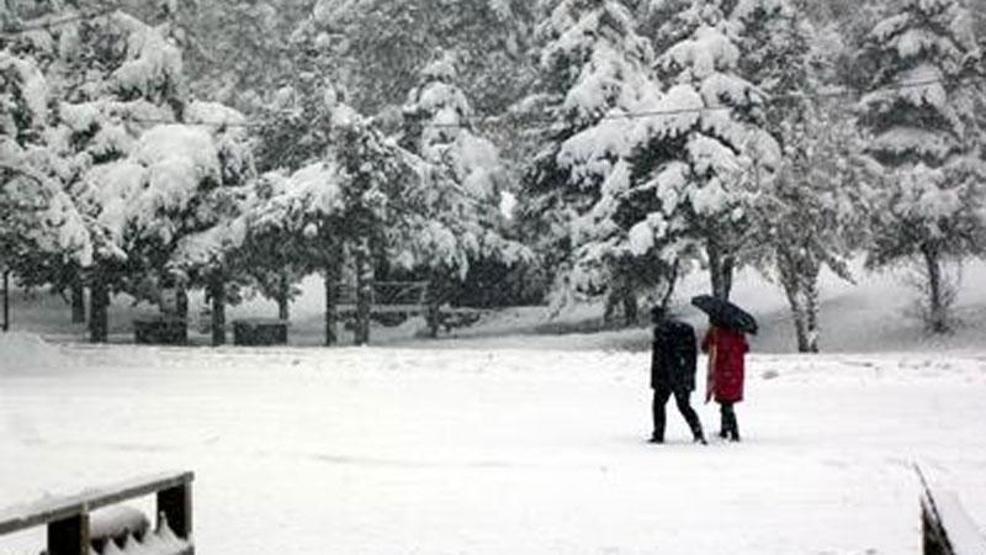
(392, 302)
(453, 318)
(409, 298)
(260, 332)
(946, 528)
(68, 519)
(160, 330)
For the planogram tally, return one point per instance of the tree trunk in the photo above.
(721, 266)
(811, 310)
(283, 309)
(284, 298)
(6, 301)
(609, 310)
(794, 294)
(99, 302)
(333, 277)
(217, 293)
(78, 300)
(434, 299)
(630, 307)
(364, 292)
(800, 320)
(331, 313)
(728, 270)
(614, 298)
(181, 301)
(937, 318)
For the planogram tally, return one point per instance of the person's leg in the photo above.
(660, 418)
(730, 428)
(683, 400)
(724, 425)
(734, 428)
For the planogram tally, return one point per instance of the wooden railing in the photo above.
(386, 297)
(946, 528)
(68, 518)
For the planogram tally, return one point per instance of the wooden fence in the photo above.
(68, 519)
(946, 528)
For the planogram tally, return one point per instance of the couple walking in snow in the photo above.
(674, 361)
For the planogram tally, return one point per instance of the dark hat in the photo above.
(658, 313)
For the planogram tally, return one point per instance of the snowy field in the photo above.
(383, 450)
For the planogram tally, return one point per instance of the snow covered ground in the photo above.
(391, 450)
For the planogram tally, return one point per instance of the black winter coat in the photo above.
(674, 357)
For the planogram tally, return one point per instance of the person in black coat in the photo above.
(673, 363)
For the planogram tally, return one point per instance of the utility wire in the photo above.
(544, 120)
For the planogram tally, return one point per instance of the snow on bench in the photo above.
(77, 527)
(947, 528)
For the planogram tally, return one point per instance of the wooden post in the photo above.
(6, 301)
(69, 536)
(176, 505)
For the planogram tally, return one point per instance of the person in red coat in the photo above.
(727, 349)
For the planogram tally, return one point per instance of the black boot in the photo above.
(698, 436)
(734, 434)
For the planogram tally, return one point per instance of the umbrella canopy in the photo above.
(726, 314)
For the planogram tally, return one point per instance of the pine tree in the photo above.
(927, 78)
(595, 69)
(38, 221)
(378, 46)
(458, 217)
(349, 208)
(125, 145)
(692, 178)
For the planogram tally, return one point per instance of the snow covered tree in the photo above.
(927, 73)
(118, 144)
(38, 221)
(809, 214)
(205, 255)
(237, 53)
(806, 208)
(696, 168)
(459, 220)
(378, 46)
(595, 70)
(350, 207)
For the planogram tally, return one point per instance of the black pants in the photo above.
(730, 428)
(683, 400)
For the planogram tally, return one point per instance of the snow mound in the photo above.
(25, 351)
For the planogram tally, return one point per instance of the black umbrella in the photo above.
(726, 314)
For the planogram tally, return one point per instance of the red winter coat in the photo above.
(726, 349)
